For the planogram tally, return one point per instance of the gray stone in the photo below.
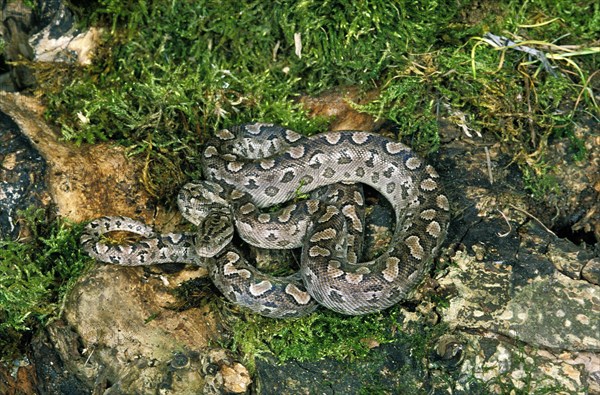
(22, 178)
(591, 271)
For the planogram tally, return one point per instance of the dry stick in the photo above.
(507, 222)
(528, 82)
(89, 356)
(489, 165)
(275, 49)
(533, 217)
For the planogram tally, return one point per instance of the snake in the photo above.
(315, 185)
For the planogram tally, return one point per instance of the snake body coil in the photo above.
(254, 166)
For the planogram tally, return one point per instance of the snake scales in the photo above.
(253, 166)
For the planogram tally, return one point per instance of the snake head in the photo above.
(197, 200)
(215, 232)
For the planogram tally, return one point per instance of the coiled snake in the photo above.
(253, 166)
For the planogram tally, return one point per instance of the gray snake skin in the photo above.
(254, 166)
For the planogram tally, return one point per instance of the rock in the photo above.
(553, 311)
(520, 288)
(22, 178)
(224, 374)
(501, 365)
(448, 351)
(236, 378)
(18, 377)
(46, 32)
(556, 313)
(591, 271)
(131, 336)
(54, 350)
(568, 258)
(61, 41)
(84, 182)
(579, 187)
(17, 21)
(391, 368)
(337, 104)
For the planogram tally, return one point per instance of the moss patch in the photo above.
(170, 73)
(323, 335)
(35, 276)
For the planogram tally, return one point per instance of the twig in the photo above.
(298, 45)
(533, 217)
(489, 165)
(275, 49)
(507, 222)
(89, 356)
(541, 23)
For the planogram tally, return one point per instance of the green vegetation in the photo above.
(170, 73)
(35, 275)
(323, 334)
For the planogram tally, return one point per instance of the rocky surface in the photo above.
(43, 32)
(83, 182)
(148, 345)
(61, 41)
(22, 177)
(520, 305)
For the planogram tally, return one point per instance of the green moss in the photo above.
(571, 20)
(162, 87)
(408, 102)
(323, 334)
(36, 275)
(170, 73)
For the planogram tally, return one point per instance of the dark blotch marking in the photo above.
(288, 176)
(335, 297)
(306, 179)
(251, 184)
(344, 160)
(271, 191)
(388, 173)
(371, 161)
(329, 172)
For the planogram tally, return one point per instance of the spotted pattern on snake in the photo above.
(254, 166)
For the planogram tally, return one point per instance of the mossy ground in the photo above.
(170, 73)
(36, 274)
